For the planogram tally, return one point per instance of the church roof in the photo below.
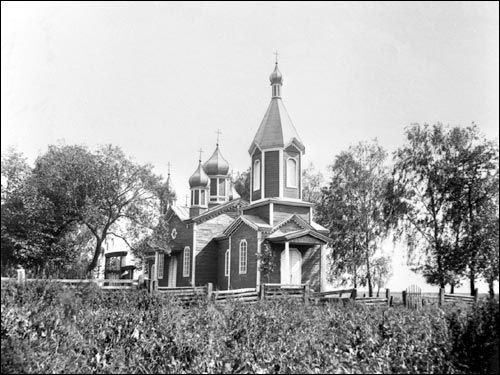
(182, 212)
(219, 210)
(280, 237)
(199, 178)
(276, 129)
(216, 165)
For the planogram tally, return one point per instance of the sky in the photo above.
(159, 78)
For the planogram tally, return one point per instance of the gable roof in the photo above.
(252, 221)
(278, 236)
(218, 210)
(182, 212)
(296, 219)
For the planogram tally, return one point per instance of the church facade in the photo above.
(219, 236)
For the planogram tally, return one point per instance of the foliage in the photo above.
(267, 262)
(312, 182)
(443, 179)
(382, 271)
(46, 328)
(352, 208)
(70, 188)
(242, 184)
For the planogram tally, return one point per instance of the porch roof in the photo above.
(304, 236)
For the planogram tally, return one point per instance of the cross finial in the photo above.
(200, 151)
(276, 54)
(218, 134)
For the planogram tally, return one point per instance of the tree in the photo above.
(352, 207)
(382, 270)
(242, 184)
(312, 182)
(443, 178)
(267, 263)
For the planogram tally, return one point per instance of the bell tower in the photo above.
(276, 151)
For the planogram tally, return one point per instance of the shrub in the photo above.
(50, 328)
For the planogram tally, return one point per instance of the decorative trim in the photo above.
(271, 213)
(259, 243)
(280, 165)
(263, 176)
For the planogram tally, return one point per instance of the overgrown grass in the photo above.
(46, 328)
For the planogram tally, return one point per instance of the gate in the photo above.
(412, 297)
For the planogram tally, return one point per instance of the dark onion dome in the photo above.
(276, 77)
(199, 178)
(216, 165)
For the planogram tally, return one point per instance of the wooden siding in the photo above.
(211, 228)
(255, 195)
(184, 238)
(260, 211)
(206, 264)
(287, 191)
(311, 266)
(271, 173)
(282, 211)
(221, 283)
(248, 280)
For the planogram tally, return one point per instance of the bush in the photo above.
(49, 328)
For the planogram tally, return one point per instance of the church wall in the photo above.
(248, 280)
(221, 283)
(206, 264)
(260, 211)
(311, 266)
(255, 195)
(271, 173)
(282, 211)
(289, 192)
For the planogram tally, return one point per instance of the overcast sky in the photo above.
(158, 79)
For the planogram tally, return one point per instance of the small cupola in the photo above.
(199, 183)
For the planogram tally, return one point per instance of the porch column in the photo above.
(287, 262)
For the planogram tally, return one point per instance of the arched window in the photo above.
(227, 259)
(291, 173)
(186, 261)
(256, 175)
(243, 256)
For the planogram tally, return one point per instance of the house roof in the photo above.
(181, 211)
(319, 227)
(276, 129)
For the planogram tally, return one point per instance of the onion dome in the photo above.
(276, 78)
(199, 178)
(216, 165)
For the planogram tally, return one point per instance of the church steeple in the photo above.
(217, 169)
(199, 184)
(276, 151)
(276, 80)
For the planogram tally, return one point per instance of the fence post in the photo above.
(210, 288)
(476, 295)
(441, 296)
(307, 292)
(354, 294)
(403, 295)
(262, 291)
(21, 275)
(388, 296)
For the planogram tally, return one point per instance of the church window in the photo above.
(186, 261)
(202, 199)
(213, 186)
(161, 259)
(196, 197)
(222, 186)
(227, 259)
(243, 256)
(291, 173)
(256, 175)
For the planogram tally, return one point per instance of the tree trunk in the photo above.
(490, 288)
(472, 278)
(97, 252)
(452, 288)
(369, 276)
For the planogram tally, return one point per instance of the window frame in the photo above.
(258, 175)
(243, 260)
(288, 185)
(186, 261)
(161, 264)
(227, 263)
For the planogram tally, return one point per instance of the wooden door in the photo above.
(294, 275)
(172, 271)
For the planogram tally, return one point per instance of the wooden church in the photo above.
(217, 238)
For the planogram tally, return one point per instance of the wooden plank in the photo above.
(222, 292)
(458, 296)
(226, 296)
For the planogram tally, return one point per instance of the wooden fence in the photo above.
(457, 298)
(105, 284)
(247, 295)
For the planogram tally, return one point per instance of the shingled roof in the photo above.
(276, 129)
